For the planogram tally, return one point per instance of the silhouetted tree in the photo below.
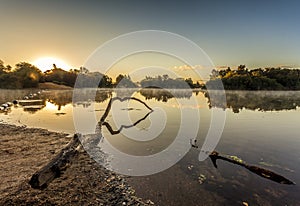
(258, 79)
(124, 81)
(189, 81)
(4, 69)
(28, 74)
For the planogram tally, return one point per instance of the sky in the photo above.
(231, 32)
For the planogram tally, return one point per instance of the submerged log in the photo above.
(56, 166)
(268, 174)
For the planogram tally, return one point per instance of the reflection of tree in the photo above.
(261, 100)
(59, 97)
(114, 132)
(34, 101)
(102, 95)
(108, 108)
(62, 98)
(163, 94)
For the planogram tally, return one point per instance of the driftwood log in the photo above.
(56, 166)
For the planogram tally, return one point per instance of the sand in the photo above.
(23, 151)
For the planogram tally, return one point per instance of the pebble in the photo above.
(201, 178)
(4, 105)
(150, 202)
(190, 167)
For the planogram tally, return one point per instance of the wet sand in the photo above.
(23, 151)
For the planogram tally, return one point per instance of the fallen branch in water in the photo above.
(108, 108)
(63, 160)
(214, 156)
(56, 166)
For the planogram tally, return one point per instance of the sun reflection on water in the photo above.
(51, 106)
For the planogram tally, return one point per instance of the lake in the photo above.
(261, 128)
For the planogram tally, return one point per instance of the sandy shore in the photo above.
(25, 150)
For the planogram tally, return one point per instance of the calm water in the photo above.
(262, 128)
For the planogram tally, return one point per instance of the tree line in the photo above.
(256, 79)
(165, 81)
(26, 75)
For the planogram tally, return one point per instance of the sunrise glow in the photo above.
(46, 63)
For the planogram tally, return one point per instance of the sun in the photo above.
(46, 63)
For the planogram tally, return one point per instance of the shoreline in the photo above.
(25, 150)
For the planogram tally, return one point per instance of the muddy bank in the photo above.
(24, 150)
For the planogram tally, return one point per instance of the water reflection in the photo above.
(164, 95)
(236, 100)
(108, 108)
(260, 100)
(91, 141)
(270, 139)
(85, 96)
(33, 100)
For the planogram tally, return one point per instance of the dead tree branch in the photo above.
(214, 156)
(108, 108)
